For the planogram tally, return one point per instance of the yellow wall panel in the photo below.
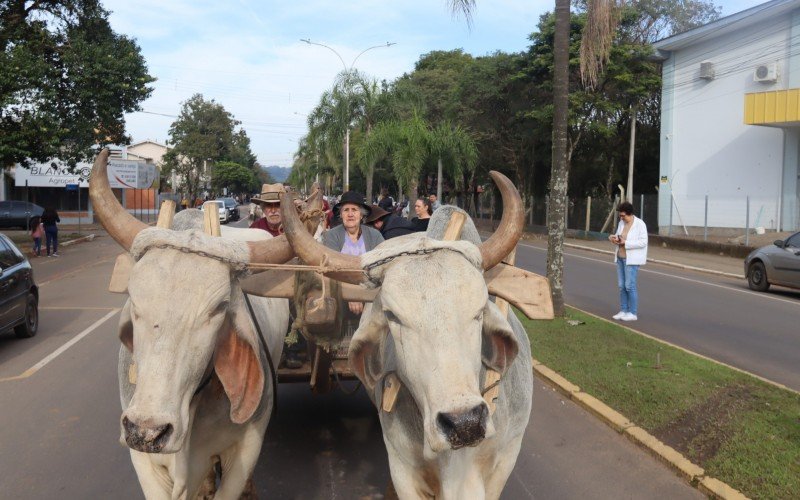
(793, 105)
(780, 106)
(769, 107)
(749, 109)
(775, 107)
(760, 106)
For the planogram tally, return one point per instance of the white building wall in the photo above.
(711, 151)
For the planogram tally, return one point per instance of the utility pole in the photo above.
(347, 71)
(629, 191)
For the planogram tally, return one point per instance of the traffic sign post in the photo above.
(76, 188)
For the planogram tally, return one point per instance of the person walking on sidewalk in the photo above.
(37, 233)
(630, 240)
(50, 219)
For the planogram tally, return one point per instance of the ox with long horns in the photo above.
(433, 331)
(194, 376)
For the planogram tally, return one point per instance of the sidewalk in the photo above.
(718, 264)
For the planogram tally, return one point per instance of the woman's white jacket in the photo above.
(635, 244)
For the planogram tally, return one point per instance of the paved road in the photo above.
(60, 423)
(715, 316)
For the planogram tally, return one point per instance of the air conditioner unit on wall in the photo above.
(766, 73)
(707, 70)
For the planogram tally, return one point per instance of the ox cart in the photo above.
(194, 382)
(320, 301)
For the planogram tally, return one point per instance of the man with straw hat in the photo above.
(270, 203)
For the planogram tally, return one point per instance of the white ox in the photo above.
(201, 387)
(433, 326)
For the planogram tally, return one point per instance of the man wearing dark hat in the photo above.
(270, 203)
(351, 237)
(390, 225)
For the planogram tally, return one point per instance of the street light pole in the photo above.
(347, 71)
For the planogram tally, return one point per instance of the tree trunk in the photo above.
(557, 207)
(412, 197)
(439, 181)
(370, 174)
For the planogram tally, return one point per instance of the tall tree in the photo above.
(557, 205)
(203, 134)
(66, 82)
(233, 176)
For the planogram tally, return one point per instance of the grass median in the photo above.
(739, 429)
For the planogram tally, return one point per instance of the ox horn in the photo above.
(314, 253)
(121, 225)
(508, 233)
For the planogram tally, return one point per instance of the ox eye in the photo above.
(390, 316)
(221, 308)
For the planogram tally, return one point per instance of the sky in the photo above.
(247, 54)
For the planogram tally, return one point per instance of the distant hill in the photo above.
(278, 173)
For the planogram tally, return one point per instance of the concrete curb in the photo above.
(664, 262)
(693, 474)
(78, 240)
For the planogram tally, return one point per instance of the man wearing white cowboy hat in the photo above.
(270, 202)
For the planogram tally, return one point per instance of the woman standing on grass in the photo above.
(50, 219)
(631, 252)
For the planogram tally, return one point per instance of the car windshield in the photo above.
(229, 202)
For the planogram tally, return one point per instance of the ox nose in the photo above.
(464, 428)
(146, 438)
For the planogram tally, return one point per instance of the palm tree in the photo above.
(452, 145)
(559, 176)
(406, 144)
(595, 47)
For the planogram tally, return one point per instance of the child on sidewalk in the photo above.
(37, 233)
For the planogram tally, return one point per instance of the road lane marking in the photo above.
(691, 280)
(73, 271)
(74, 340)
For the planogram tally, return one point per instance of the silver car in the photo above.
(776, 264)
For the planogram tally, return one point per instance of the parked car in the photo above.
(18, 213)
(19, 295)
(223, 212)
(230, 206)
(776, 264)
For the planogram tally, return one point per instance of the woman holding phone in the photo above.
(630, 240)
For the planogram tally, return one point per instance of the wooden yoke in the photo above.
(491, 384)
(166, 214)
(211, 219)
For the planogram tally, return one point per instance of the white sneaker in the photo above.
(629, 317)
(619, 315)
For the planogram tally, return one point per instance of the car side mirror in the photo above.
(779, 243)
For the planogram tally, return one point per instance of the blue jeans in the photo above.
(51, 235)
(626, 281)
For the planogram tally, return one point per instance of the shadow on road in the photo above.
(321, 447)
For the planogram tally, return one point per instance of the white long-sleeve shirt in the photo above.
(635, 243)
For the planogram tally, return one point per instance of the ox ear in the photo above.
(126, 326)
(238, 365)
(500, 346)
(364, 355)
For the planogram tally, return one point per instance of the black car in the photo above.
(18, 213)
(19, 295)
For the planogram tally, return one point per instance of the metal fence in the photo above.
(585, 214)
